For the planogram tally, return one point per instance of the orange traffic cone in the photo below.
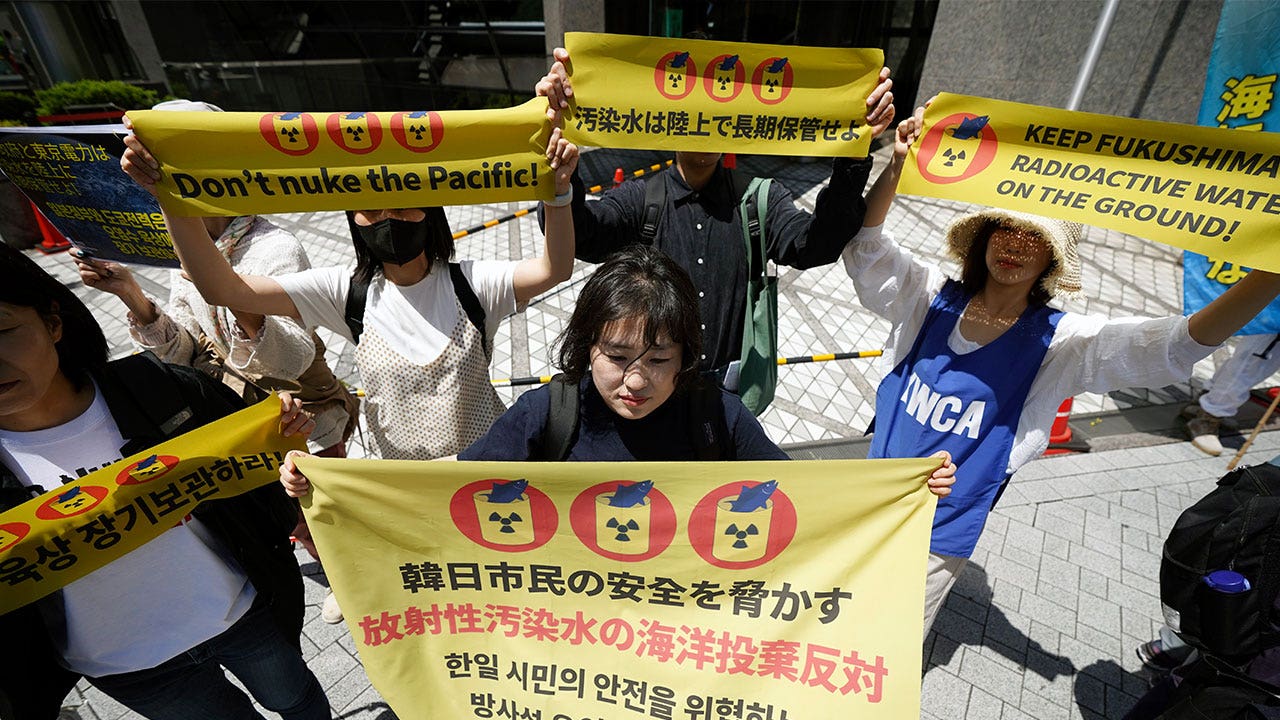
(53, 241)
(1060, 434)
(618, 177)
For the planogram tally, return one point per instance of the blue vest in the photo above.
(966, 404)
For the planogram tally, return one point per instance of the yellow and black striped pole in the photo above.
(826, 357)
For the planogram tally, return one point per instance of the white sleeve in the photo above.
(1090, 353)
(889, 280)
(321, 297)
(493, 282)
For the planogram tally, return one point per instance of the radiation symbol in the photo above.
(355, 132)
(290, 133)
(71, 502)
(11, 533)
(420, 130)
(956, 147)
(675, 75)
(740, 535)
(506, 522)
(146, 470)
(623, 529)
(723, 78)
(772, 80)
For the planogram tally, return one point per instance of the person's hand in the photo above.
(295, 483)
(563, 156)
(908, 130)
(555, 86)
(105, 275)
(293, 419)
(944, 477)
(880, 109)
(138, 162)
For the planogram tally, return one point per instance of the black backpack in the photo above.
(710, 433)
(358, 295)
(1235, 527)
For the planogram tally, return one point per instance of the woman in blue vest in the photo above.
(978, 366)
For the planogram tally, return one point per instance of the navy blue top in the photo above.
(663, 435)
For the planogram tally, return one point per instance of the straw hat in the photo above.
(1062, 236)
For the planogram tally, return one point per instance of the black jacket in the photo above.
(254, 526)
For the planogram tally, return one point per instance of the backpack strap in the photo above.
(655, 199)
(562, 418)
(710, 431)
(470, 304)
(751, 211)
(357, 296)
(165, 409)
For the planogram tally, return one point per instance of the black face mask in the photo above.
(394, 241)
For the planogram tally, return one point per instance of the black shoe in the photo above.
(1155, 657)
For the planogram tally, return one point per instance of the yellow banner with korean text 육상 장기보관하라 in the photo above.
(603, 590)
(1209, 190)
(77, 528)
(707, 96)
(240, 163)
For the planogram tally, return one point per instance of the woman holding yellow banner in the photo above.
(979, 366)
(153, 628)
(423, 327)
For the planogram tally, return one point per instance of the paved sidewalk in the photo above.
(1042, 623)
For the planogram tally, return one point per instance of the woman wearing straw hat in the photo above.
(978, 366)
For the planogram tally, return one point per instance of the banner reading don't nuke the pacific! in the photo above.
(240, 163)
(1209, 190)
(705, 96)
(781, 590)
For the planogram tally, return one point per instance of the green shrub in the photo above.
(56, 99)
(17, 107)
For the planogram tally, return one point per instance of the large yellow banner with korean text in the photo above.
(77, 528)
(673, 94)
(241, 163)
(608, 590)
(1209, 190)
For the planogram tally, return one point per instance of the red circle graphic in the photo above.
(702, 526)
(540, 525)
(291, 133)
(776, 87)
(661, 530)
(682, 79)
(729, 85)
(929, 144)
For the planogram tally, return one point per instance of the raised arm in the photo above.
(535, 276)
(880, 198)
(1231, 310)
(204, 263)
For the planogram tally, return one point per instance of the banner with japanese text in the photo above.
(73, 176)
(1208, 190)
(81, 526)
(241, 163)
(606, 590)
(1239, 94)
(649, 93)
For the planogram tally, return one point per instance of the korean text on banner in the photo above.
(704, 96)
(239, 163)
(667, 589)
(1239, 93)
(74, 529)
(73, 175)
(1209, 190)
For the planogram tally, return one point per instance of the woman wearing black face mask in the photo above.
(422, 349)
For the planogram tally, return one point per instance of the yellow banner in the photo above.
(602, 590)
(240, 163)
(699, 95)
(74, 529)
(1209, 190)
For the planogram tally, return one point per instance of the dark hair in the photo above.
(636, 282)
(439, 243)
(973, 275)
(82, 348)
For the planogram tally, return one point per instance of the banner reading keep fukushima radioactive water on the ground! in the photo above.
(610, 590)
(240, 163)
(73, 175)
(1209, 190)
(77, 528)
(699, 95)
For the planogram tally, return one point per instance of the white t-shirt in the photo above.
(416, 320)
(1088, 353)
(163, 598)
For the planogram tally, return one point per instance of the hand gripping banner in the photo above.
(240, 163)
(671, 94)
(52, 540)
(606, 590)
(1209, 190)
